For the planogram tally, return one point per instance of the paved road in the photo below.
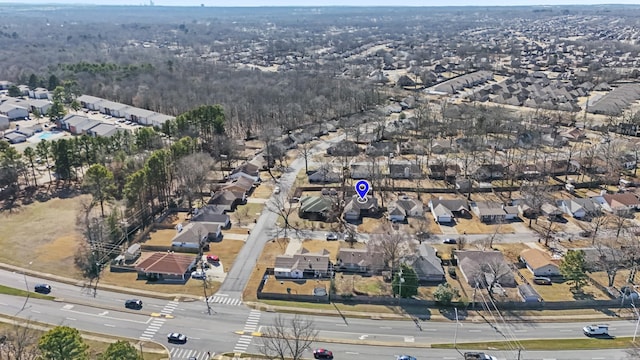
(239, 274)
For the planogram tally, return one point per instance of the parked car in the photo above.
(198, 275)
(541, 280)
(133, 304)
(322, 354)
(406, 357)
(177, 338)
(276, 190)
(43, 288)
(450, 241)
(332, 237)
(213, 258)
(596, 330)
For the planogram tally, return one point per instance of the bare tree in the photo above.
(491, 273)
(392, 245)
(282, 206)
(19, 342)
(596, 224)
(461, 243)
(288, 338)
(192, 171)
(609, 259)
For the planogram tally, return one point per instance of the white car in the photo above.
(596, 330)
(276, 190)
(198, 275)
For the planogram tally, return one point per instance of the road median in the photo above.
(546, 344)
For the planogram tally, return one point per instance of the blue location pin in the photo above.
(362, 188)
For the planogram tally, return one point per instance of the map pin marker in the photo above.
(362, 188)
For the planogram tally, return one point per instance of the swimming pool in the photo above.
(45, 135)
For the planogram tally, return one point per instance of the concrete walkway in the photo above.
(294, 245)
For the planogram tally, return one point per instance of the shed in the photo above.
(528, 293)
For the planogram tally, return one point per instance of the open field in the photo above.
(297, 287)
(227, 250)
(51, 248)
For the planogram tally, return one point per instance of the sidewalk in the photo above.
(432, 316)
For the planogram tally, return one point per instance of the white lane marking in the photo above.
(36, 312)
(109, 325)
(71, 319)
(352, 353)
(342, 325)
(474, 330)
(386, 327)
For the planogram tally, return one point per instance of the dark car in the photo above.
(177, 338)
(450, 241)
(322, 354)
(406, 357)
(332, 237)
(133, 304)
(541, 280)
(43, 288)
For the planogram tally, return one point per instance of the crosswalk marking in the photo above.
(225, 300)
(245, 340)
(156, 323)
(182, 353)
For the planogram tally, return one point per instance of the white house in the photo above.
(578, 208)
(539, 263)
(13, 111)
(302, 264)
(39, 93)
(194, 235)
(441, 214)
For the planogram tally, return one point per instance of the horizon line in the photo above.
(315, 6)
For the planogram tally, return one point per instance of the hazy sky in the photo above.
(329, 2)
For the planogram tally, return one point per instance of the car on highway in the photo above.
(450, 241)
(332, 237)
(322, 354)
(478, 356)
(406, 357)
(596, 330)
(198, 275)
(133, 304)
(213, 258)
(42, 288)
(177, 338)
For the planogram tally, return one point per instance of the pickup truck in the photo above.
(478, 356)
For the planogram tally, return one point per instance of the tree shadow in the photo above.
(450, 313)
(581, 295)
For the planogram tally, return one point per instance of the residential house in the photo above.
(405, 207)
(573, 134)
(85, 127)
(71, 122)
(90, 102)
(551, 211)
(246, 170)
(240, 185)
(227, 200)
(579, 208)
(29, 131)
(13, 111)
(446, 172)
(42, 106)
(24, 90)
(629, 161)
(316, 208)
(5, 85)
(195, 235)
(359, 261)
(428, 265)
(475, 267)
(404, 170)
(489, 172)
(325, 175)
(623, 204)
(303, 264)
(211, 214)
(357, 208)
(443, 146)
(380, 148)
(539, 262)
(164, 266)
(363, 170)
(489, 212)
(593, 257)
(444, 210)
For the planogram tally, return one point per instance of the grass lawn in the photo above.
(298, 287)
(372, 286)
(97, 347)
(560, 291)
(369, 225)
(249, 212)
(475, 226)
(227, 250)
(129, 280)
(511, 252)
(263, 191)
(160, 237)
(51, 246)
(17, 292)
(267, 258)
(545, 344)
(602, 278)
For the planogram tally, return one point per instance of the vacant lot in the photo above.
(271, 249)
(475, 226)
(192, 287)
(43, 234)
